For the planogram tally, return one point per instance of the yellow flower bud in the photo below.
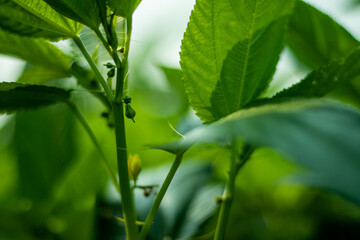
(134, 166)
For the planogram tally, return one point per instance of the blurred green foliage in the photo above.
(53, 184)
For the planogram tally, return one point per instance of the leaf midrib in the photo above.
(248, 48)
(215, 57)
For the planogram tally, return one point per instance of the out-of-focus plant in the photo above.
(229, 54)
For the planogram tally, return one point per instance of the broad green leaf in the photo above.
(123, 8)
(315, 38)
(215, 27)
(35, 51)
(83, 11)
(18, 96)
(35, 19)
(248, 69)
(323, 137)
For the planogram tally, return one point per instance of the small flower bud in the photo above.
(127, 99)
(134, 166)
(111, 73)
(129, 112)
(109, 65)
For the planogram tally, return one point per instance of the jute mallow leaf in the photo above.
(215, 27)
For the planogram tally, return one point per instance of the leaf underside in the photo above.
(84, 11)
(35, 19)
(123, 8)
(323, 137)
(35, 51)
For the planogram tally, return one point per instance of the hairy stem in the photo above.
(126, 193)
(150, 218)
(92, 136)
(93, 66)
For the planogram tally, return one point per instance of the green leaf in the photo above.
(315, 38)
(123, 8)
(323, 137)
(83, 11)
(215, 27)
(248, 69)
(39, 75)
(35, 51)
(35, 19)
(18, 96)
(325, 79)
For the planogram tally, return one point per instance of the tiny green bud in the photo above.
(109, 65)
(129, 112)
(134, 166)
(111, 73)
(127, 99)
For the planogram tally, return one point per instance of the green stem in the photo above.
(93, 66)
(92, 136)
(227, 196)
(123, 68)
(150, 218)
(126, 193)
(103, 41)
(235, 165)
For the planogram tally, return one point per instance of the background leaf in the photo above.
(309, 38)
(83, 11)
(325, 79)
(17, 96)
(309, 33)
(248, 69)
(45, 148)
(214, 28)
(322, 137)
(35, 19)
(35, 74)
(35, 51)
